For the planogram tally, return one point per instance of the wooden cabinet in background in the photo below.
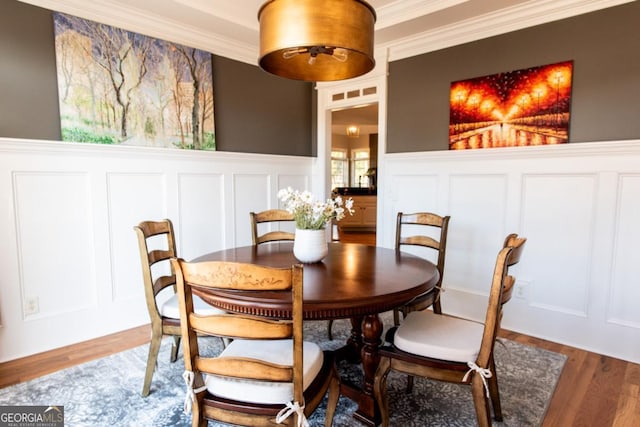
(364, 214)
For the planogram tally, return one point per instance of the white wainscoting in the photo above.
(68, 248)
(71, 270)
(579, 207)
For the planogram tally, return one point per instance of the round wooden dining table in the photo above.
(353, 281)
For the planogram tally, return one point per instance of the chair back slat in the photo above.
(423, 218)
(163, 282)
(507, 289)
(245, 368)
(426, 241)
(232, 326)
(154, 228)
(272, 215)
(517, 243)
(275, 236)
(158, 255)
(238, 276)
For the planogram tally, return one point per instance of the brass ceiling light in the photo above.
(316, 41)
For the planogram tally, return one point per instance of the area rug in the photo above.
(106, 392)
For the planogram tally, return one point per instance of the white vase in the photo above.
(310, 246)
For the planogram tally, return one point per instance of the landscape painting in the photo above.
(119, 87)
(518, 108)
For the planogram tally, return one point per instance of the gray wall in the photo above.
(260, 113)
(255, 112)
(605, 48)
(28, 84)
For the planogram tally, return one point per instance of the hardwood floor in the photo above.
(593, 390)
(28, 368)
(358, 237)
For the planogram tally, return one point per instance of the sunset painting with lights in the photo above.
(518, 108)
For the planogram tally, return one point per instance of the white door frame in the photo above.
(366, 90)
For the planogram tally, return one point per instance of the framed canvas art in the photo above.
(119, 87)
(517, 108)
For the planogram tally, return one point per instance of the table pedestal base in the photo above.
(363, 346)
(367, 412)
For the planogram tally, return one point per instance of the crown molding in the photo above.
(405, 10)
(535, 12)
(227, 13)
(138, 21)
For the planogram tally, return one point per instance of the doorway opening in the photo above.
(354, 147)
(353, 168)
(359, 102)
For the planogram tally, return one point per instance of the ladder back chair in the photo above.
(157, 245)
(452, 349)
(268, 374)
(270, 216)
(424, 221)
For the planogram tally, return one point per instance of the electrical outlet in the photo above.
(521, 290)
(31, 306)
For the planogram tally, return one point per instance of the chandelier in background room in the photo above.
(316, 41)
(353, 131)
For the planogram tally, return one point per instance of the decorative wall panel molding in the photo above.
(201, 213)
(55, 259)
(559, 209)
(67, 213)
(578, 206)
(622, 308)
(132, 198)
(478, 207)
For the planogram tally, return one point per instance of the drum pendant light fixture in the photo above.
(314, 40)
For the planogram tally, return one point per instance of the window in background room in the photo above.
(360, 159)
(339, 169)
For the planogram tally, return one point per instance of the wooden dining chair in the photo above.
(452, 349)
(157, 245)
(268, 374)
(270, 216)
(424, 221)
(281, 215)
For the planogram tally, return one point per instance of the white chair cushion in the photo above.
(254, 391)
(440, 337)
(170, 307)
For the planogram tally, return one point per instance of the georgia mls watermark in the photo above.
(31, 416)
